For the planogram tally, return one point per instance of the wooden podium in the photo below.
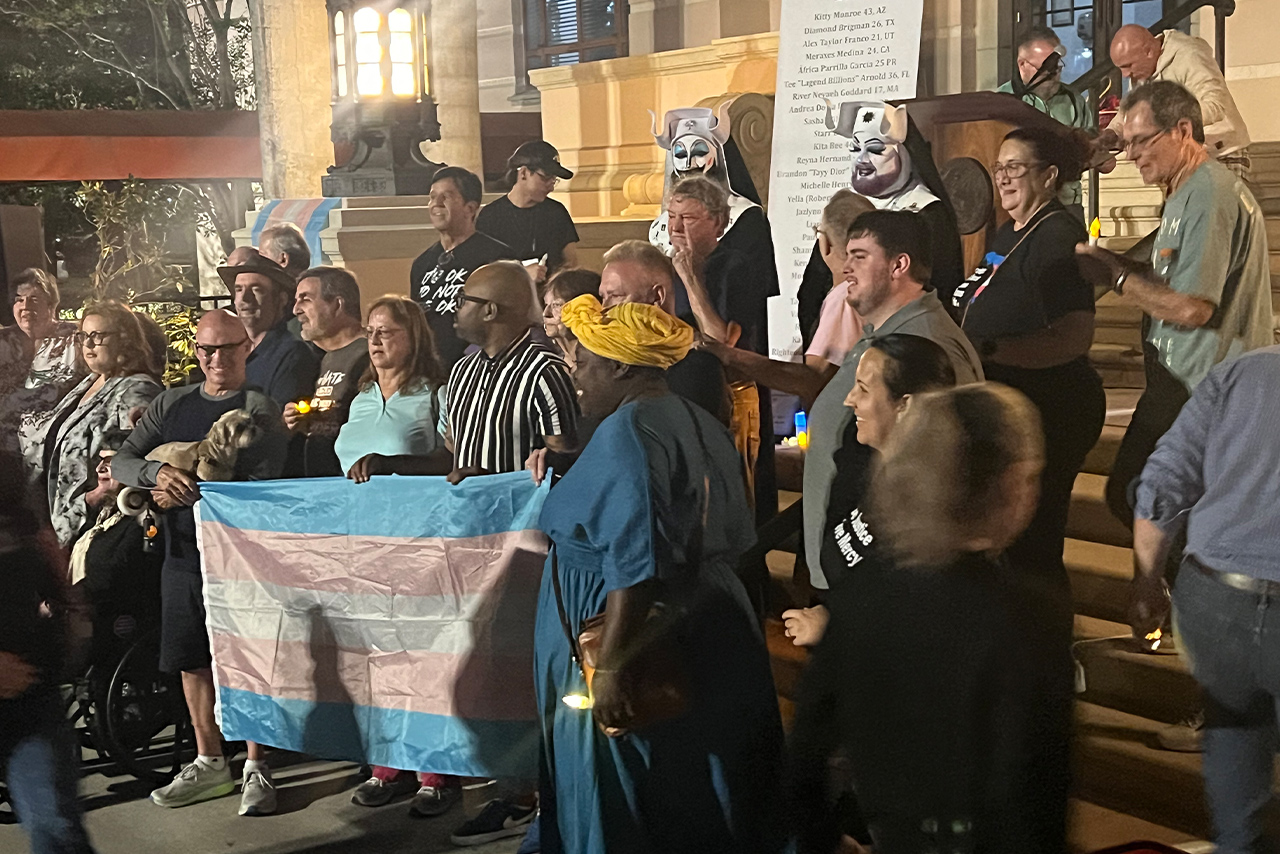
(965, 132)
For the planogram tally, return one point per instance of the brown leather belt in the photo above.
(1246, 583)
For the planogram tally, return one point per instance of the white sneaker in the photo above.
(258, 796)
(194, 783)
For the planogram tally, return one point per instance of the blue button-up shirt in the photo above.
(1217, 470)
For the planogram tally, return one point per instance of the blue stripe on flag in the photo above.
(318, 222)
(264, 216)
(410, 741)
(386, 506)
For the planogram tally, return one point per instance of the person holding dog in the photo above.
(186, 414)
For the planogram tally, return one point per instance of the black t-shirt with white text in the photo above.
(847, 537)
(436, 280)
(336, 387)
(544, 229)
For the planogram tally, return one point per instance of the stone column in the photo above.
(455, 85)
(291, 72)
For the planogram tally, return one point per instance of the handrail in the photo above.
(1222, 9)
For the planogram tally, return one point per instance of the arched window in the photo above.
(565, 32)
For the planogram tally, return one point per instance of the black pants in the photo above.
(1155, 413)
(1072, 406)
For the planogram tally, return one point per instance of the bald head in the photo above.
(505, 283)
(496, 305)
(222, 346)
(1135, 52)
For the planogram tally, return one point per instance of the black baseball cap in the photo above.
(540, 157)
(261, 264)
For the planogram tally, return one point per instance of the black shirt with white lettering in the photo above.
(336, 387)
(436, 281)
(847, 538)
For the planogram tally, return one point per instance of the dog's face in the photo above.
(216, 455)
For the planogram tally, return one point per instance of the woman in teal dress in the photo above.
(654, 510)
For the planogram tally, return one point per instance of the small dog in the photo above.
(214, 457)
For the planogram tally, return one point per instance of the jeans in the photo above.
(1232, 638)
(38, 751)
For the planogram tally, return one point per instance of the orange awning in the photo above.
(104, 145)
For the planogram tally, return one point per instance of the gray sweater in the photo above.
(262, 460)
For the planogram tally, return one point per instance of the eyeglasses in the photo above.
(544, 176)
(1014, 168)
(92, 340)
(379, 333)
(1133, 146)
(477, 300)
(211, 350)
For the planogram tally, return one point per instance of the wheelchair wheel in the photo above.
(139, 715)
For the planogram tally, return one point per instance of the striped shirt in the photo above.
(499, 409)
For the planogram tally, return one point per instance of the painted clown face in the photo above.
(877, 165)
(693, 154)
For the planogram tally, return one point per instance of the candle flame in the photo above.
(1095, 228)
(1154, 639)
(580, 702)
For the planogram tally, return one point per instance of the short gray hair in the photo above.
(701, 189)
(1170, 104)
(34, 277)
(289, 239)
(643, 253)
(337, 283)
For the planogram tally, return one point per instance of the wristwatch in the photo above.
(1118, 287)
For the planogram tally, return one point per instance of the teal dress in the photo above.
(625, 513)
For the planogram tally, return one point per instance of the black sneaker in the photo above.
(497, 820)
(431, 801)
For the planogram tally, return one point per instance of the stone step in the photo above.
(1088, 517)
(1116, 674)
(1100, 577)
(1119, 364)
(1103, 453)
(1118, 765)
(1092, 828)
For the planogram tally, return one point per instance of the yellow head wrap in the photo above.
(631, 333)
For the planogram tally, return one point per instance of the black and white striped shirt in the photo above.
(499, 409)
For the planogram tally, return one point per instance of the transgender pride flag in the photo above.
(389, 622)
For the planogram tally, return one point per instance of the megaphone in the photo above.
(133, 501)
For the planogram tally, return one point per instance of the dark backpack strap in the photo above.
(564, 615)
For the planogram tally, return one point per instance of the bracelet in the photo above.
(1118, 287)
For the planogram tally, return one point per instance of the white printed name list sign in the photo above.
(829, 50)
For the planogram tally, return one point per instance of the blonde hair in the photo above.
(941, 476)
(843, 208)
(643, 253)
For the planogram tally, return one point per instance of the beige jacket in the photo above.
(1188, 61)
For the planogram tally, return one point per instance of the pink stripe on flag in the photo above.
(370, 565)
(475, 686)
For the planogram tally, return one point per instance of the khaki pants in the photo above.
(745, 427)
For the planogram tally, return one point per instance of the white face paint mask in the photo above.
(693, 154)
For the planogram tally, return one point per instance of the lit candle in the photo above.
(1095, 231)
